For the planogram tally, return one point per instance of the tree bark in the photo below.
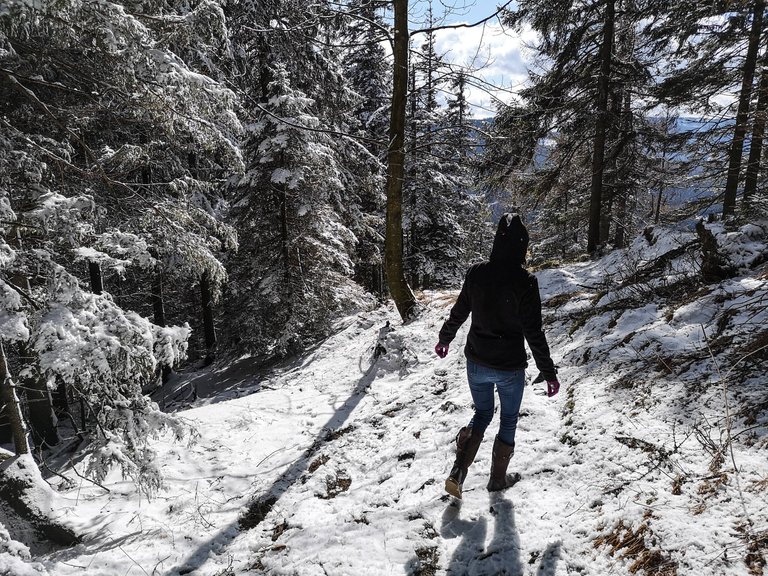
(158, 305)
(209, 329)
(13, 409)
(606, 209)
(660, 195)
(622, 214)
(158, 308)
(42, 419)
(601, 126)
(393, 244)
(758, 132)
(742, 113)
(97, 283)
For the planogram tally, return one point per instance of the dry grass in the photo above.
(760, 485)
(712, 484)
(757, 545)
(677, 485)
(560, 299)
(441, 299)
(335, 485)
(632, 545)
(317, 462)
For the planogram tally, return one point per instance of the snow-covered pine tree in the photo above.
(368, 71)
(579, 148)
(308, 207)
(106, 185)
(461, 144)
(709, 50)
(438, 209)
(295, 264)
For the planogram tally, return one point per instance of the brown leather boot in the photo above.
(502, 453)
(467, 443)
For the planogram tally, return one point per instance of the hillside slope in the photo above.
(651, 460)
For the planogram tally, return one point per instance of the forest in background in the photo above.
(185, 182)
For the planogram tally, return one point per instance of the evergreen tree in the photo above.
(369, 76)
(298, 205)
(106, 186)
(711, 55)
(578, 144)
(368, 72)
(439, 210)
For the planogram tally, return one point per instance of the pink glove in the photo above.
(553, 387)
(441, 349)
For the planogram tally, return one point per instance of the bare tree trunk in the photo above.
(13, 409)
(20, 482)
(6, 436)
(158, 305)
(660, 195)
(742, 113)
(622, 214)
(209, 329)
(411, 233)
(97, 283)
(42, 419)
(758, 132)
(657, 217)
(158, 308)
(398, 286)
(601, 127)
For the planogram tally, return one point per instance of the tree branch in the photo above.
(318, 130)
(24, 295)
(455, 26)
(44, 107)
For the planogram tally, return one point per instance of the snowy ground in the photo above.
(334, 463)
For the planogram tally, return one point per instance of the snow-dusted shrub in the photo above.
(15, 556)
(131, 185)
(107, 355)
(744, 246)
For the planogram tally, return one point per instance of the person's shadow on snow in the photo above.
(472, 556)
(549, 558)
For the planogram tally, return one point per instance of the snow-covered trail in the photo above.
(369, 498)
(334, 463)
(347, 455)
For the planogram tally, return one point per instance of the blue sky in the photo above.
(478, 10)
(457, 10)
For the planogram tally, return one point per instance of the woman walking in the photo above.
(504, 300)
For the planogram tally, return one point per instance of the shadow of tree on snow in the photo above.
(260, 506)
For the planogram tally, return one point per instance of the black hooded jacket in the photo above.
(504, 300)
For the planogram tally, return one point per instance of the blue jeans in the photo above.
(510, 384)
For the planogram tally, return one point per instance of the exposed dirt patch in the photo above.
(278, 530)
(427, 557)
(336, 434)
(757, 547)
(394, 410)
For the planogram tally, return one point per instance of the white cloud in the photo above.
(499, 56)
